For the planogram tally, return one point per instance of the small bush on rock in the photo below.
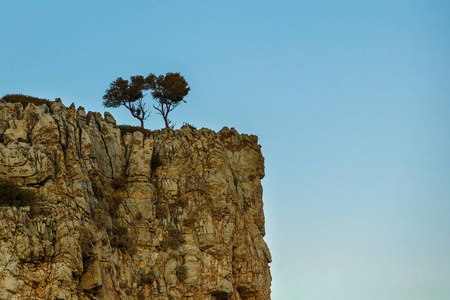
(160, 210)
(119, 183)
(147, 279)
(138, 216)
(113, 204)
(190, 222)
(121, 239)
(128, 128)
(100, 217)
(181, 273)
(19, 98)
(174, 239)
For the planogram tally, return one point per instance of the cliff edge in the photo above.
(161, 215)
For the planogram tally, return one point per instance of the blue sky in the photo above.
(350, 100)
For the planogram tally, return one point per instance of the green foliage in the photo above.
(13, 195)
(128, 128)
(171, 87)
(19, 98)
(119, 183)
(100, 217)
(138, 216)
(122, 240)
(113, 204)
(129, 94)
(147, 279)
(190, 222)
(160, 210)
(122, 285)
(178, 202)
(97, 189)
(169, 91)
(181, 273)
(35, 210)
(174, 239)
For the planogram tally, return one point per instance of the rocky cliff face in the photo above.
(166, 215)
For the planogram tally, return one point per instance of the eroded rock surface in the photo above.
(168, 215)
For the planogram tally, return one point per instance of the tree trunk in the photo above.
(167, 122)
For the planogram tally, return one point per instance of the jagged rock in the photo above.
(109, 118)
(92, 277)
(173, 214)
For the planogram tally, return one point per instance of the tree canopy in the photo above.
(169, 91)
(129, 94)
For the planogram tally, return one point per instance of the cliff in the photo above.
(165, 215)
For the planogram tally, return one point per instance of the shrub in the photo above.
(181, 273)
(19, 98)
(85, 242)
(174, 239)
(160, 210)
(138, 216)
(13, 195)
(119, 183)
(147, 279)
(97, 189)
(35, 210)
(114, 203)
(121, 239)
(122, 285)
(181, 203)
(190, 222)
(100, 217)
(128, 128)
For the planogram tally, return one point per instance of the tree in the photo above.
(168, 91)
(129, 94)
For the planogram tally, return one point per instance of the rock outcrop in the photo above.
(162, 215)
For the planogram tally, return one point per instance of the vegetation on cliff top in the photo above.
(128, 128)
(24, 99)
(168, 91)
(126, 93)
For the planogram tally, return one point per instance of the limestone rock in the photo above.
(92, 277)
(174, 214)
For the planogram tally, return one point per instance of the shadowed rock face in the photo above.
(171, 215)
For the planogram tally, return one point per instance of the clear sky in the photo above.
(350, 100)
